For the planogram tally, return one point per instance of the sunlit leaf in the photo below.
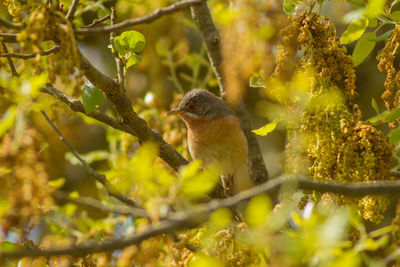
(221, 218)
(57, 183)
(202, 260)
(257, 210)
(383, 231)
(161, 48)
(375, 105)
(8, 120)
(374, 8)
(363, 48)
(394, 136)
(197, 183)
(8, 246)
(257, 80)
(129, 41)
(266, 129)
(92, 97)
(289, 7)
(354, 31)
(395, 15)
(133, 60)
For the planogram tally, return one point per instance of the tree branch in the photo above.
(200, 214)
(97, 21)
(10, 24)
(203, 19)
(72, 10)
(101, 178)
(93, 203)
(128, 117)
(8, 37)
(141, 20)
(10, 62)
(54, 49)
(77, 106)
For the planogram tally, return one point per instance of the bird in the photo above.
(215, 136)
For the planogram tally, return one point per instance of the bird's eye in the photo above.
(191, 107)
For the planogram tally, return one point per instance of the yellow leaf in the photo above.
(263, 131)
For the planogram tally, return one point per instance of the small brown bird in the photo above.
(215, 136)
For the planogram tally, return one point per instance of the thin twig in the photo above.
(158, 13)
(77, 106)
(118, 61)
(8, 37)
(71, 12)
(54, 49)
(97, 21)
(10, 62)
(93, 203)
(10, 24)
(199, 214)
(101, 178)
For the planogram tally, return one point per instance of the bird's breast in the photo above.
(220, 140)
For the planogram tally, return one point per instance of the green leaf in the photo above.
(289, 7)
(394, 136)
(92, 97)
(372, 22)
(8, 120)
(202, 260)
(57, 183)
(8, 246)
(99, 236)
(382, 37)
(133, 60)
(161, 48)
(354, 31)
(221, 218)
(129, 41)
(383, 231)
(257, 80)
(257, 211)
(363, 48)
(386, 116)
(268, 128)
(393, 115)
(374, 8)
(197, 183)
(395, 15)
(375, 105)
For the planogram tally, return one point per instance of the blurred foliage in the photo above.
(295, 69)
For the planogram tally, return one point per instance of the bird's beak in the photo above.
(174, 111)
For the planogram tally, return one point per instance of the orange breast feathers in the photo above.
(220, 141)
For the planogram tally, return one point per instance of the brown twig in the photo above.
(158, 13)
(203, 19)
(8, 37)
(52, 50)
(108, 208)
(77, 106)
(72, 10)
(200, 214)
(128, 117)
(10, 62)
(101, 178)
(96, 21)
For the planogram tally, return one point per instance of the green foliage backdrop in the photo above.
(94, 173)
